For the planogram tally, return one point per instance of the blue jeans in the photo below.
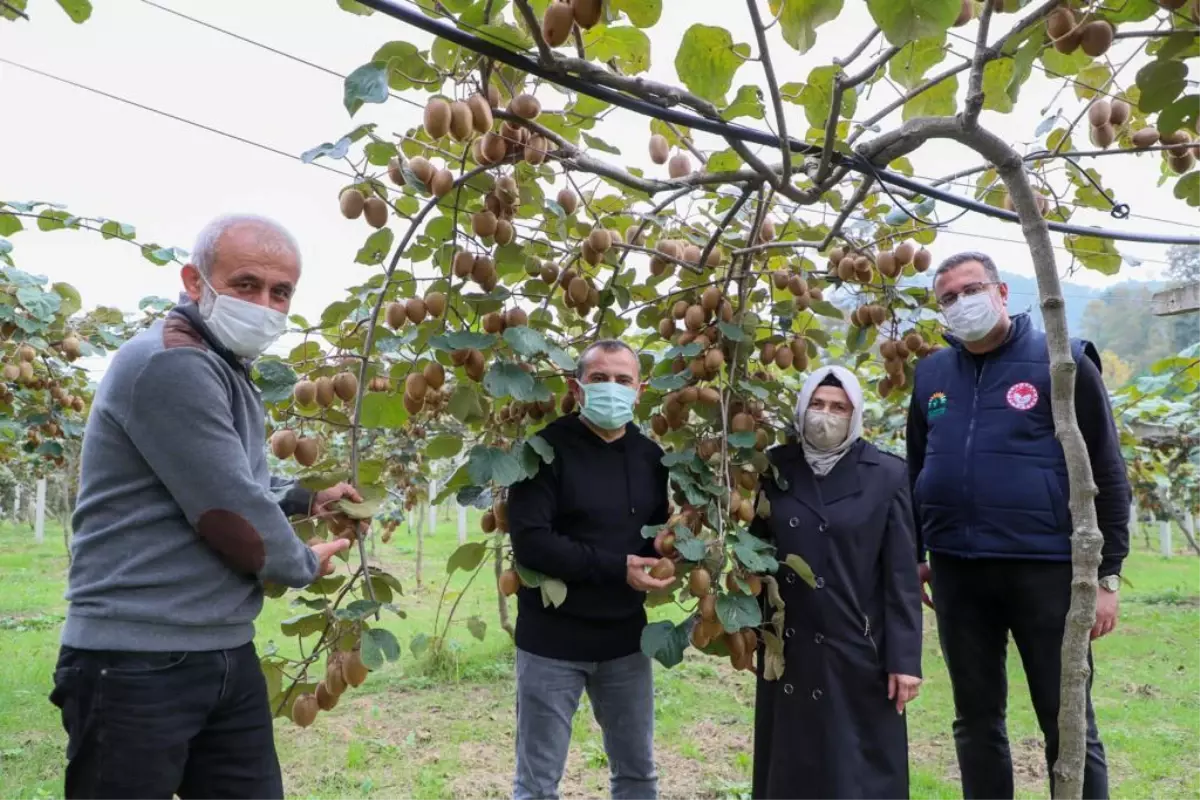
(153, 725)
(622, 695)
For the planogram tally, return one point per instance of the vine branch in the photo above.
(773, 86)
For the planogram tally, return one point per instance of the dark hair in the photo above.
(604, 345)
(831, 380)
(958, 259)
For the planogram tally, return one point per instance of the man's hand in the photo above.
(902, 689)
(925, 575)
(323, 503)
(325, 551)
(637, 577)
(1106, 612)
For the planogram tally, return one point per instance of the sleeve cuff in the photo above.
(612, 567)
(297, 501)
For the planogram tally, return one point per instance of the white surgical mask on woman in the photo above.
(973, 317)
(825, 430)
(246, 329)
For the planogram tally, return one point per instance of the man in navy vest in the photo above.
(990, 495)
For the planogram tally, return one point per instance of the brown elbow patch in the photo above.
(236, 541)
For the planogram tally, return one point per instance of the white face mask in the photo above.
(825, 430)
(972, 318)
(246, 329)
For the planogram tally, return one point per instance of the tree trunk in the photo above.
(502, 601)
(1181, 520)
(421, 515)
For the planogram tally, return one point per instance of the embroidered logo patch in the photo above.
(1023, 396)
(937, 405)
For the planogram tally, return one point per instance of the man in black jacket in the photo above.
(990, 494)
(580, 520)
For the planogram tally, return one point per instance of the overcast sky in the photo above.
(103, 158)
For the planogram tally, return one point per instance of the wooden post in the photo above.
(462, 524)
(1164, 538)
(432, 507)
(39, 518)
(17, 505)
(1179, 300)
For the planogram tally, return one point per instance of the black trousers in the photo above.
(154, 725)
(978, 602)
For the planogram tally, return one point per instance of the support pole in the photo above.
(432, 507)
(39, 519)
(462, 524)
(1164, 538)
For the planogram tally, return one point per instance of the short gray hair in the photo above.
(958, 259)
(605, 346)
(205, 251)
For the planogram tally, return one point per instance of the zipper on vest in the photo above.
(968, 471)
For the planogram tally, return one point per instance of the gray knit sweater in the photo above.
(178, 522)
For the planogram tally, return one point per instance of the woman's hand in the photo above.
(902, 689)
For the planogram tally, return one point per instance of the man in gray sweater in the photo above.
(177, 526)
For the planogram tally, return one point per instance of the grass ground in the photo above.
(431, 730)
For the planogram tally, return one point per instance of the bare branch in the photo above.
(983, 55)
(840, 85)
(773, 85)
(1046, 155)
(836, 229)
(688, 143)
(689, 266)
(734, 209)
(857, 51)
(1154, 34)
(535, 30)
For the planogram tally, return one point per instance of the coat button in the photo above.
(816, 695)
(791, 578)
(794, 522)
(789, 633)
(820, 583)
(820, 637)
(788, 688)
(823, 527)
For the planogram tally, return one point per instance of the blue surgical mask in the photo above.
(608, 405)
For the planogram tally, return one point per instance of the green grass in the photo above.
(431, 728)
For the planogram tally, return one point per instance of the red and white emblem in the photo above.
(1023, 396)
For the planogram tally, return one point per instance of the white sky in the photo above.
(103, 158)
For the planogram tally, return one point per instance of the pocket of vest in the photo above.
(1058, 498)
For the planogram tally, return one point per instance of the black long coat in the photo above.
(826, 728)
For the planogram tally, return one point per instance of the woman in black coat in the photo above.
(833, 725)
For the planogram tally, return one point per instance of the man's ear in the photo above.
(192, 283)
(575, 389)
(1004, 293)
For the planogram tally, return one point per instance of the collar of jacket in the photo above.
(842, 481)
(190, 312)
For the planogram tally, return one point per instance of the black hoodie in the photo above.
(577, 520)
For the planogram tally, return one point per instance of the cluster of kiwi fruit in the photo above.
(1181, 152)
(354, 204)
(742, 644)
(785, 354)
(669, 252)
(425, 387)
(563, 15)
(579, 291)
(678, 165)
(471, 360)
(499, 321)
(342, 670)
(286, 443)
(896, 353)
(496, 517)
(803, 292)
(1069, 35)
(494, 222)
(415, 310)
(479, 268)
(1105, 119)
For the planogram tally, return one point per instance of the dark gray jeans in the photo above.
(622, 695)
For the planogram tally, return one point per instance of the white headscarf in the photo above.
(822, 461)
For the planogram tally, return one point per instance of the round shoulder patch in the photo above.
(1022, 396)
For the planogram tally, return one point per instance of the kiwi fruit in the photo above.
(577, 290)
(375, 211)
(70, 347)
(487, 522)
(699, 582)
(568, 200)
(659, 149)
(504, 232)
(304, 710)
(305, 392)
(1176, 141)
(767, 232)
(435, 304)
(536, 150)
(711, 298)
(1099, 113)
(509, 582)
(904, 253)
(666, 327)
(437, 118)
(1120, 113)
(663, 568)
(475, 365)
(353, 669)
(1146, 137)
(695, 318)
(493, 322)
(743, 422)
(395, 170)
(1070, 42)
(415, 385)
(326, 699)
(422, 168)
(549, 273)
(781, 278)
(462, 121)
(515, 318)
(713, 361)
(352, 202)
(1181, 162)
(679, 310)
(307, 452)
(483, 223)
(325, 392)
(600, 240)
(334, 681)
(283, 443)
(442, 183)
(885, 261)
(1096, 38)
(680, 166)
(481, 113)
(922, 260)
(710, 396)
(463, 264)
(434, 374)
(345, 386)
(557, 23)
(415, 310)
(493, 148)
(1059, 23)
(671, 248)
(587, 12)
(1103, 135)
(525, 106)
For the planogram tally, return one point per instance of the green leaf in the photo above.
(72, 301)
(486, 464)
(724, 161)
(367, 84)
(773, 663)
(1130, 10)
(1023, 66)
(554, 592)
(382, 410)
(799, 566)
(506, 35)
(379, 645)
(826, 309)
(543, 448)
(376, 247)
(467, 557)
(630, 47)
(596, 143)
(903, 21)
(996, 77)
(817, 96)
(707, 60)
(53, 219)
(908, 67)
(303, 625)
(460, 340)
(77, 10)
(743, 439)
(526, 341)
(1095, 253)
(1160, 83)
(465, 404)
(689, 547)
(665, 641)
(419, 644)
(937, 101)
(643, 13)
(748, 102)
(405, 66)
(355, 7)
(477, 627)
(444, 446)
(506, 379)
(529, 578)
(732, 332)
(1091, 80)
(9, 224)
(1188, 188)
(737, 611)
(276, 380)
(364, 510)
(1064, 64)
(801, 18)
(42, 305)
(669, 383)
(1180, 114)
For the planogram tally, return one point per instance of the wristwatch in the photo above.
(1110, 583)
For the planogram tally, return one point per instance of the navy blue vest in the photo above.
(994, 480)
